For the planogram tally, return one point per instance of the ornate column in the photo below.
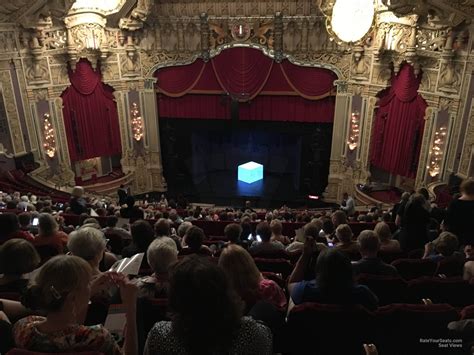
(336, 177)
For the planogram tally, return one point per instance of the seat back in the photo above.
(388, 289)
(46, 252)
(390, 256)
(17, 351)
(402, 328)
(149, 312)
(450, 266)
(277, 266)
(115, 242)
(328, 329)
(454, 291)
(413, 268)
(13, 296)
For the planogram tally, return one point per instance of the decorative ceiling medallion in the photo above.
(240, 31)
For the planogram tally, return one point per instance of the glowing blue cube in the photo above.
(250, 172)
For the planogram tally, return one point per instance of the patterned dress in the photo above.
(75, 338)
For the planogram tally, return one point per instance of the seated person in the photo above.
(89, 244)
(215, 326)
(446, 245)
(113, 229)
(131, 210)
(370, 263)
(194, 238)
(345, 243)
(387, 244)
(232, 232)
(10, 228)
(25, 223)
(161, 254)
(333, 283)
(17, 258)
(77, 203)
(49, 233)
(62, 291)
(247, 280)
(265, 246)
(277, 227)
(182, 229)
(142, 236)
(469, 265)
(327, 230)
(163, 229)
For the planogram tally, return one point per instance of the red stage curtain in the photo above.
(90, 115)
(246, 70)
(398, 127)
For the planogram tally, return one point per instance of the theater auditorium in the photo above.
(219, 177)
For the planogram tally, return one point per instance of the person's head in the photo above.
(183, 228)
(328, 226)
(47, 225)
(18, 257)
(446, 244)
(416, 201)
(10, 225)
(77, 191)
(248, 204)
(241, 270)
(87, 243)
(382, 230)
(467, 188)
(162, 228)
(369, 243)
(161, 254)
(62, 285)
(338, 217)
(24, 198)
(173, 215)
(276, 227)
(424, 192)
(264, 231)
(201, 292)
(91, 222)
(312, 230)
(334, 273)
(232, 232)
(469, 252)
(24, 219)
(405, 197)
(194, 238)
(142, 234)
(112, 221)
(345, 195)
(344, 233)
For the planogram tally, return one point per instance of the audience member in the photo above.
(49, 233)
(276, 228)
(194, 238)
(348, 204)
(113, 229)
(10, 228)
(215, 326)
(338, 217)
(161, 254)
(131, 211)
(265, 245)
(398, 210)
(460, 215)
(369, 244)
(232, 232)
(333, 283)
(62, 291)
(387, 244)
(77, 203)
(89, 244)
(445, 245)
(142, 236)
(247, 280)
(414, 227)
(17, 258)
(345, 243)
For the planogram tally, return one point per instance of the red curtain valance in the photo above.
(399, 123)
(90, 115)
(245, 71)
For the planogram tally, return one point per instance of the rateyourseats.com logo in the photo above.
(443, 342)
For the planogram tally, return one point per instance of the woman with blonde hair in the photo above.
(49, 233)
(247, 280)
(277, 227)
(384, 233)
(62, 290)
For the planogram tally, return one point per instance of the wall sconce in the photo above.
(354, 131)
(137, 123)
(49, 141)
(437, 152)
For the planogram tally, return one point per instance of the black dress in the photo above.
(414, 231)
(460, 220)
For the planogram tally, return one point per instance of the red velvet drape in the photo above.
(398, 127)
(277, 91)
(90, 115)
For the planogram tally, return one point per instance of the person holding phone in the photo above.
(265, 245)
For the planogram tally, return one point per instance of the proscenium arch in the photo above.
(268, 52)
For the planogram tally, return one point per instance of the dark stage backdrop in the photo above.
(200, 158)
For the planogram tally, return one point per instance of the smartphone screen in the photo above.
(250, 237)
(258, 238)
(35, 221)
(330, 244)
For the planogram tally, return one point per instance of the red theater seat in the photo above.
(387, 288)
(26, 352)
(277, 266)
(413, 268)
(454, 291)
(450, 267)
